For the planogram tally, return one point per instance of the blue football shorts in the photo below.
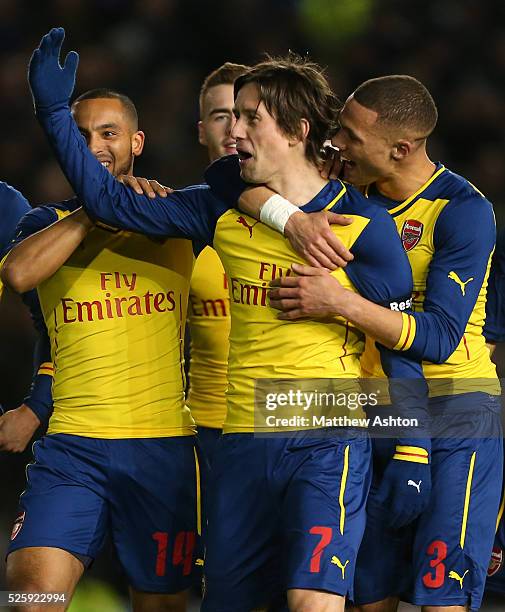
(442, 558)
(144, 492)
(284, 513)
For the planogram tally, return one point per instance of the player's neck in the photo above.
(406, 180)
(299, 183)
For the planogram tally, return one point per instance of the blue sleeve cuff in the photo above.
(40, 400)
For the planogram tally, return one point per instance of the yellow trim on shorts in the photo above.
(343, 483)
(198, 495)
(467, 500)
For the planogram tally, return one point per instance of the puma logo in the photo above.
(455, 576)
(243, 222)
(453, 276)
(336, 561)
(415, 484)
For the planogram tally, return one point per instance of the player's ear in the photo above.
(138, 143)
(401, 149)
(305, 125)
(303, 133)
(202, 138)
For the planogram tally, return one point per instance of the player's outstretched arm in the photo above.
(39, 255)
(190, 213)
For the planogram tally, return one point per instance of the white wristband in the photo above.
(276, 211)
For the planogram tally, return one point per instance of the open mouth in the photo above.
(243, 155)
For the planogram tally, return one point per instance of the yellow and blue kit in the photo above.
(209, 326)
(323, 480)
(120, 450)
(13, 206)
(494, 331)
(118, 300)
(448, 232)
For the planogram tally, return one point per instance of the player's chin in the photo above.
(247, 174)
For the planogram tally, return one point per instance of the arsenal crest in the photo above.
(412, 231)
(18, 523)
(496, 562)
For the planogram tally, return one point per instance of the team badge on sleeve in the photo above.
(496, 562)
(18, 523)
(412, 231)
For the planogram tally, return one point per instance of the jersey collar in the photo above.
(394, 207)
(327, 198)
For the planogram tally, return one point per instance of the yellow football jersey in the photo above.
(261, 345)
(115, 313)
(209, 324)
(450, 266)
(264, 347)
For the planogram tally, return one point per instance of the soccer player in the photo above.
(209, 305)
(494, 332)
(119, 456)
(448, 231)
(286, 512)
(18, 426)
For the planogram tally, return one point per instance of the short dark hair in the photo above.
(294, 88)
(400, 100)
(224, 75)
(103, 92)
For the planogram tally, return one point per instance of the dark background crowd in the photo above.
(159, 51)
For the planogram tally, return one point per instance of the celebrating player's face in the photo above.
(109, 133)
(262, 148)
(364, 146)
(217, 121)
